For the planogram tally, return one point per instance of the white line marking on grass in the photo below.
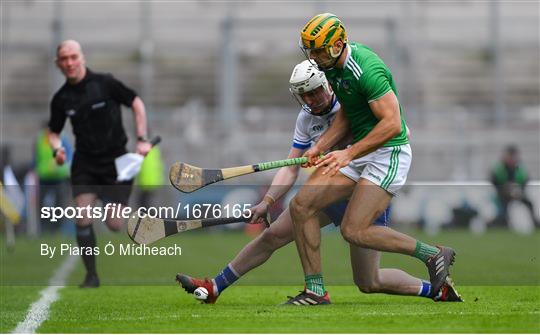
(39, 310)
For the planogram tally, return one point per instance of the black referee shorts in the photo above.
(97, 175)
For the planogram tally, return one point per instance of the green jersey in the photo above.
(363, 79)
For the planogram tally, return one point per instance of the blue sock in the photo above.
(225, 278)
(425, 290)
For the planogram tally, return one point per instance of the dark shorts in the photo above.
(336, 211)
(97, 175)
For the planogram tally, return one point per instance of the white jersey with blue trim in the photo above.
(310, 127)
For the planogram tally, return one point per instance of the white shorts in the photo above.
(386, 167)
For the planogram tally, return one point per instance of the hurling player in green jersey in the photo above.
(370, 171)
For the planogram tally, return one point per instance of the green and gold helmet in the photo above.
(322, 32)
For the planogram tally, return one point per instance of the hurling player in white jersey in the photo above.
(319, 106)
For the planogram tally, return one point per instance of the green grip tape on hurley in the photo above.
(281, 163)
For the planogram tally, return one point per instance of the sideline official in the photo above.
(92, 103)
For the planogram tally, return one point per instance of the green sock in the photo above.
(315, 284)
(424, 251)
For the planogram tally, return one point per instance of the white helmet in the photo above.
(310, 88)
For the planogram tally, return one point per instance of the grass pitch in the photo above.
(253, 309)
(498, 274)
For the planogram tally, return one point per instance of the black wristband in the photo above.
(142, 138)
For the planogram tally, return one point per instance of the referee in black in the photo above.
(92, 102)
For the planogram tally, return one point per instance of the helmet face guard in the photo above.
(314, 56)
(317, 101)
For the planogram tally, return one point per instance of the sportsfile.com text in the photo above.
(111, 210)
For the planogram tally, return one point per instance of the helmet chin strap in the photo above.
(335, 56)
(331, 105)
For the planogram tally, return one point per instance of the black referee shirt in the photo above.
(93, 106)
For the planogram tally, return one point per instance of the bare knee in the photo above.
(351, 234)
(368, 286)
(301, 207)
(357, 235)
(347, 233)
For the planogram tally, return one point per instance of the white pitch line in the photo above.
(39, 310)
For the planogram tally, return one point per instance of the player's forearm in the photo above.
(140, 116)
(54, 140)
(383, 132)
(337, 131)
(282, 182)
